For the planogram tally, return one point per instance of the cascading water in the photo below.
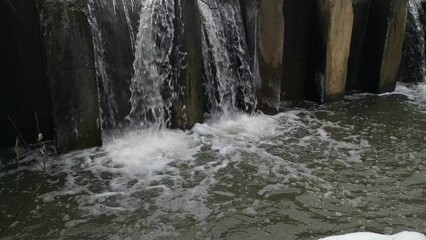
(143, 92)
(114, 25)
(413, 63)
(138, 53)
(299, 175)
(153, 64)
(229, 80)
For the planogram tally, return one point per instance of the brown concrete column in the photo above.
(335, 18)
(270, 52)
(385, 34)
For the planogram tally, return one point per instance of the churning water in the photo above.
(308, 172)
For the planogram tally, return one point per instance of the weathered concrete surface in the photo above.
(24, 90)
(412, 67)
(115, 26)
(270, 53)
(335, 18)
(297, 58)
(72, 75)
(361, 13)
(385, 34)
(189, 106)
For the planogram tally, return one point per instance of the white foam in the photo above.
(240, 125)
(413, 92)
(375, 236)
(151, 151)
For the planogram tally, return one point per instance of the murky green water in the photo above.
(356, 165)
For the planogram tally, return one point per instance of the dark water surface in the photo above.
(356, 165)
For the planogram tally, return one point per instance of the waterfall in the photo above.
(229, 82)
(154, 70)
(413, 62)
(141, 56)
(114, 27)
(137, 56)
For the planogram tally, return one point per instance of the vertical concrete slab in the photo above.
(114, 25)
(335, 18)
(361, 14)
(72, 75)
(190, 104)
(385, 34)
(297, 58)
(270, 53)
(24, 89)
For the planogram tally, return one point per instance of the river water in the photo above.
(308, 172)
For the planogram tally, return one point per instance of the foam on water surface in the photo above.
(415, 93)
(298, 174)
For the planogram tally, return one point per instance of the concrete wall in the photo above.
(189, 107)
(385, 34)
(72, 75)
(335, 22)
(115, 50)
(270, 53)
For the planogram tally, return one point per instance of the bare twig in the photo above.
(42, 146)
(17, 131)
(17, 161)
(31, 199)
(43, 151)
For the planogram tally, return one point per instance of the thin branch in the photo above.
(31, 199)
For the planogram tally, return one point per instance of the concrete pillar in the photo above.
(297, 59)
(361, 14)
(72, 76)
(270, 53)
(115, 28)
(385, 34)
(189, 106)
(335, 19)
